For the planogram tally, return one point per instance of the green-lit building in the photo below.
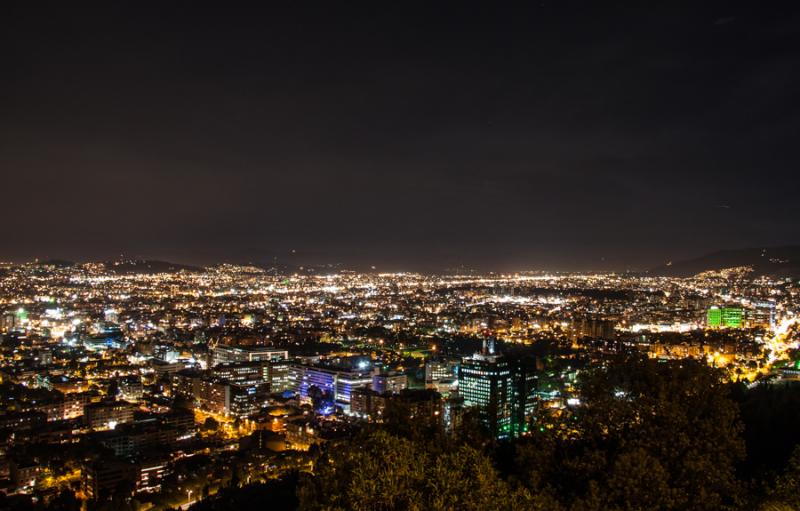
(729, 317)
(485, 382)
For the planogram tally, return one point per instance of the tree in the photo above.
(321, 400)
(771, 416)
(65, 501)
(464, 479)
(380, 471)
(276, 494)
(785, 495)
(399, 420)
(649, 435)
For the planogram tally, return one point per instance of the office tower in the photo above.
(524, 381)
(485, 382)
(762, 315)
(278, 375)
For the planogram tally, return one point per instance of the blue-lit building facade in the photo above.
(340, 384)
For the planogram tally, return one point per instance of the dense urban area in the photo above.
(134, 385)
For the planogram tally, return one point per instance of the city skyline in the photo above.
(196, 389)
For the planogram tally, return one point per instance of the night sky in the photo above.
(569, 135)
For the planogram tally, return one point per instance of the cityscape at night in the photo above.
(400, 257)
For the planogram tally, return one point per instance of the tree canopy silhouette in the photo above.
(648, 435)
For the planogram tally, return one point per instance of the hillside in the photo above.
(147, 266)
(772, 261)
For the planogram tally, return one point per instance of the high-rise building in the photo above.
(525, 382)
(762, 315)
(595, 328)
(278, 375)
(484, 381)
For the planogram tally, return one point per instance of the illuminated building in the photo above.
(23, 473)
(111, 316)
(484, 381)
(714, 316)
(109, 339)
(594, 328)
(339, 384)
(225, 398)
(165, 353)
(245, 400)
(108, 414)
(8, 321)
(131, 388)
(441, 376)
(418, 403)
(243, 373)
(22, 420)
(130, 439)
(213, 395)
(278, 375)
(151, 472)
(524, 386)
(107, 475)
(185, 383)
(224, 354)
(436, 370)
(391, 383)
(762, 315)
(273, 375)
(731, 317)
(361, 402)
(162, 368)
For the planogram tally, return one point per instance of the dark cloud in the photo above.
(566, 135)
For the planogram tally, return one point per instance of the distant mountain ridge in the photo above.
(767, 261)
(148, 266)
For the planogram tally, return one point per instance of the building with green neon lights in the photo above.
(727, 317)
